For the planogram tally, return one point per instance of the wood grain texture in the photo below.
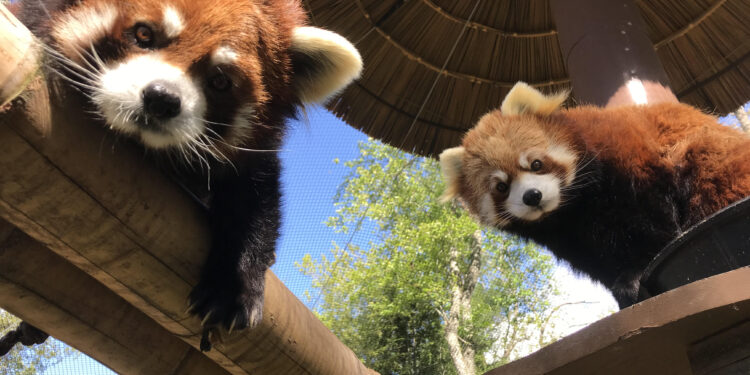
(98, 202)
(47, 291)
(651, 337)
(20, 55)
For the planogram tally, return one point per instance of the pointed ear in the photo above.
(324, 63)
(524, 99)
(451, 163)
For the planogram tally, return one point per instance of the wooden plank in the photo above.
(19, 54)
(724, 353)
(103, 207)
(55, 296)
(651, 337)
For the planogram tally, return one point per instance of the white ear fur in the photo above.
(524, 99)
(451, 163)
(334, 63)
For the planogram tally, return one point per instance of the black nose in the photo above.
(160, 102)
(532, 197)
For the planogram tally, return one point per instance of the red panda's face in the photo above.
(197, 73)
(513, 170)
(513, 167)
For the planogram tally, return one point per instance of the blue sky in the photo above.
(310, 179)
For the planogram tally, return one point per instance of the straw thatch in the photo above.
(703, 44)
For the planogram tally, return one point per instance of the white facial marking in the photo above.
(500, 175)
(547, 184)
(565, 157)
(223, 55)
(119, 100)
(173, 22)
(523, 161)
(82, 26)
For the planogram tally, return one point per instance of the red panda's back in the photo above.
(709, 162)
(712, 160)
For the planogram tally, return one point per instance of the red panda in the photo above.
(603, 188)
(212, 82)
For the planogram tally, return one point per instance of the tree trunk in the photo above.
(462, 351)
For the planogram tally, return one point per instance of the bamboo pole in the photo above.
(43, 289)
(104, 208)
(19, 54)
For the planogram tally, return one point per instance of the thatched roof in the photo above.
(703, 44)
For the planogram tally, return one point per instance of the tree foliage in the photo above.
(393, 300)
(22, 360)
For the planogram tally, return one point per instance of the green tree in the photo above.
(22, 360)
(432, 293)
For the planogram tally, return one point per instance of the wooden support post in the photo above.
(47, 291)
(100, 205)
(609, 57)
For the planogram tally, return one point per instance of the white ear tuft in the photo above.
(524, 99)
(451, 163)
(324, 63)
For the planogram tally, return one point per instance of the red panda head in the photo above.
(198, 73)
(514, 164)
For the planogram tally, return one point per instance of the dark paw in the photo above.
(223, 304)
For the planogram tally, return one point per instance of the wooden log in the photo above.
(20, 56)
(99, 204)
(45, 290)
(677, 332)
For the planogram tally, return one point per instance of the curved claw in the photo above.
(231, 326)
(205, 319)
(190, 308)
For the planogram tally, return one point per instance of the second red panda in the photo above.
(603, 189)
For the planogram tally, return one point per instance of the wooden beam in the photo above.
(102, 206)
(19, 55)
(661, 335)
(43, 289)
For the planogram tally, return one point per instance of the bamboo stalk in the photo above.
(20, 54)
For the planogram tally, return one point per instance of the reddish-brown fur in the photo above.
(644, 174)
(640, 141)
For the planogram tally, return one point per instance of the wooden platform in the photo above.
(701, 328)
(112, 248)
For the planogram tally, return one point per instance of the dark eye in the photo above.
(536, 165)
(220, 82)
(502, 187)
(144, 36)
